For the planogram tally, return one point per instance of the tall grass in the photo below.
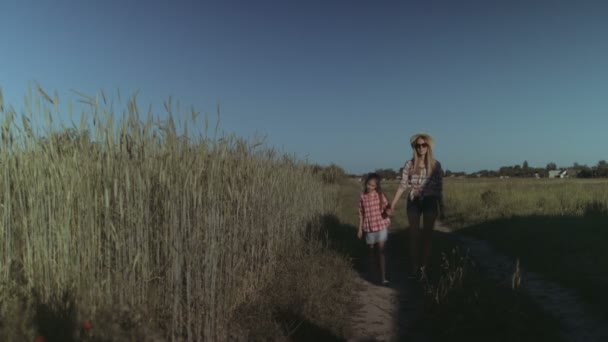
(183, 229)
(555, 227)
(471, 201)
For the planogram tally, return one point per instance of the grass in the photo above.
(471, 201)
(568, 250)
(462, 304)
(555, 226)
(152, 233)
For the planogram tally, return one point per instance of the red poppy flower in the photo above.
(87, 325)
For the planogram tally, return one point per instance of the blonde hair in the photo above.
(429, 162)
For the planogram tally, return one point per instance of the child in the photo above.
(374, 211)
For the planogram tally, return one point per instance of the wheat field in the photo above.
(127, 215)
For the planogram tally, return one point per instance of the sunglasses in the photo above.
(425, 145)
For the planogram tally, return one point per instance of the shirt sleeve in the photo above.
(405, 176)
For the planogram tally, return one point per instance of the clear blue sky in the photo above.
(348, 82)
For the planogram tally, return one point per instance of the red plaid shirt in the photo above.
(424, 184)
(370, 214)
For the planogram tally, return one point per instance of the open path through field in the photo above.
(383, 313)
(577, 322)
(387, 313)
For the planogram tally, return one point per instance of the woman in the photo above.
(422, 176)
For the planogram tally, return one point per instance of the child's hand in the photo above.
(360, 233)
(389, 211)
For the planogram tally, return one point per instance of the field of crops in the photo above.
(129, 224)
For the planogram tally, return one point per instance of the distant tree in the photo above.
(489, 173)
(551, 166)
(585, 173)
(525, 165)
(542, 172)
(387, 173)
(400, 172)
(602, 169)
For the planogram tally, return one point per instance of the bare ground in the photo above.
(387, 313)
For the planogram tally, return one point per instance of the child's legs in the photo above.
(371, 260)
(371, 241)
(377, 239)
(382, 260)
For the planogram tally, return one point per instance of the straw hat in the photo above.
(427, 137)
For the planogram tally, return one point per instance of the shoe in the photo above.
(385, 282)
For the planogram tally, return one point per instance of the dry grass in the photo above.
(556, 227)
(472, 201)
(462, 304)
(179, 231)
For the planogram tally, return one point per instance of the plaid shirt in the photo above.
(370, 214)
(423, 184)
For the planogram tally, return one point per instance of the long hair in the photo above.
(375, 176)
(429, 160)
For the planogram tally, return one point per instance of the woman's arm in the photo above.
(386, 206)
(397, 197)
(403, 185)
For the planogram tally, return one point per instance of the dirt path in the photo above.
(563, 303)
(390, 313)
(387, 313)
(375, 320)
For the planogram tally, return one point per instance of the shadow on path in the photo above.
(562, 262)
(386, 312)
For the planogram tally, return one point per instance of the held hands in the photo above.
(388, 211)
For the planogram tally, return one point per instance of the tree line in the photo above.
(600, 170)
